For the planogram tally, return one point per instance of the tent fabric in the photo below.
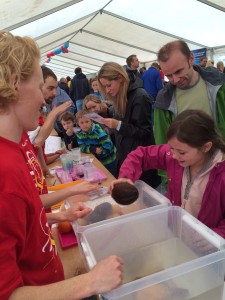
(101, 30)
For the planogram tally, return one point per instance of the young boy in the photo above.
(95, 90)
(68, 121)
(93, 139)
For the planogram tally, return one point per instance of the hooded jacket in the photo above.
(166, 107)
(79, 87)
(212, 211)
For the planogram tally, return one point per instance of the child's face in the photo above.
(67, 124)
(94, 86)
(84, 123)
(93, 107)
(186, 155)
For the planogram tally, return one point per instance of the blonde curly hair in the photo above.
(17, 56)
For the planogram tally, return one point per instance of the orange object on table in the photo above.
(64, 185)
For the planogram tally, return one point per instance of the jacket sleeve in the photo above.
(143, 159)
(212, 213)
(220, 229)
(139, 124)
(105, 142)
(162, 121)
(220, 109)
(159, 83)
(83, 147)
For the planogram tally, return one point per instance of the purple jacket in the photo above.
(212, 211)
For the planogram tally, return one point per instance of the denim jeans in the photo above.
(79, 104)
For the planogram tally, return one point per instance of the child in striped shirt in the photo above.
(93, 139)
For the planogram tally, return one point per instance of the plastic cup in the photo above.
(76, 154)
(89, 173)
(67, 162)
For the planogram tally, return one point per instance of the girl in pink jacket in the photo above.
(194, 161)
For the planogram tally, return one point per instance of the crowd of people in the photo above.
(171, 132)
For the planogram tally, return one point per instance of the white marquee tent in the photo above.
(101, 30)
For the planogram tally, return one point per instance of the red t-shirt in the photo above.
(33, 164)
(28, 255)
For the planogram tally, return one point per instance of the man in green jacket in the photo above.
(189, 87)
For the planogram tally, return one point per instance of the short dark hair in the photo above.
(47, 72)
(203, 57)
(130, 59)
(165, 52)
(67, 116)
(68, 78)
(78, 70)
(201, 124)
(155, 65)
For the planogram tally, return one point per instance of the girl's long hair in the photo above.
(195, 128)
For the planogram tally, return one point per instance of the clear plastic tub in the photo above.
(167, 254)
(148, 199)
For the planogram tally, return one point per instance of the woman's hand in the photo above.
(106, 275)
(82, 188)
(111, 123)
(76, 211)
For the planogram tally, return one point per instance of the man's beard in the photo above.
(49, 100)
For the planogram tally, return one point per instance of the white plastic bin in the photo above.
(167, 254)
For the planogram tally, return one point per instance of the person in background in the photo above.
(68, 122)
(189, 87)
(210, 63)
(152, 80)
(79, 88)
(68, 79)
(194, 159)
(152, 83)
(61, 104)
(28, 249)
(93, 104)
(57, 101)
(60, 98)
(95, 90)
(142, 70)
(63, 85)
(93, 139)
(132, 120)
(203, 61)
(220, 67)
(132, 67)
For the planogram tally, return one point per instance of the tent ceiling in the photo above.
(103, 30)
